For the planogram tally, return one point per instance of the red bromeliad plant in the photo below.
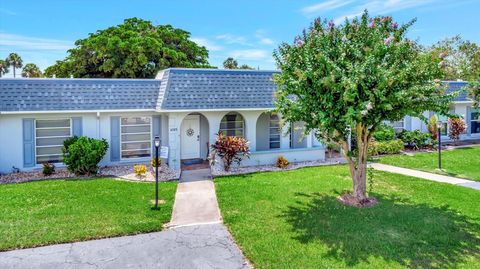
(230, 149)
(457, 127)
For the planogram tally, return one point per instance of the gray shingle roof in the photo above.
(453, 86)
(175, 89)
(217, 89)
(77, 94)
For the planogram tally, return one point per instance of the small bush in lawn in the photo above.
(416, 139)
(140, 169)
(385, 147)
(48, 169)
(154, 161)
(82, 154)
(457, 127)
(282, 162)
(230, 149)
(384, 133)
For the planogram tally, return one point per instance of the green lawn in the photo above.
(291, 219)
(464, 162)
(58, 211)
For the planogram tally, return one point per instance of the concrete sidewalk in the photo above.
(204, 246)
(195, 200)
(428, 176)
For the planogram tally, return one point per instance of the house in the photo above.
(462, 106)
(186, 108)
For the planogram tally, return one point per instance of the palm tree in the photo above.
(31, 71)
(14, 60)
(3, 67)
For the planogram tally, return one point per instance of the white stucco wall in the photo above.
(11, 135)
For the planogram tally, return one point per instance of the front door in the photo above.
(190, 137)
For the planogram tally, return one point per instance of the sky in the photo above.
(42, 31)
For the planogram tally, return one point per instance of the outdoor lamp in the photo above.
(156, 141)
(439, 128)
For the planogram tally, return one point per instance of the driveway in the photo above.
(202, 246)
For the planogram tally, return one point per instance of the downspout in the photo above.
(98, 124)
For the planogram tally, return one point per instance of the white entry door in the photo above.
(190, 137)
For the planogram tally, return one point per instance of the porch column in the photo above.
(309, 138)
(251, 118)
(285, 135)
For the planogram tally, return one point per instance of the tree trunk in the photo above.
(14, 71)
(358, 166)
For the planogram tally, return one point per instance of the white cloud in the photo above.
(34, 43)
(381, 7)
(211, 46)
(325, 6)
(233, 39)
(250, 54)
(262, 39)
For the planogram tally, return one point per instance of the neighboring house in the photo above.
(186, 108)
(462, 106)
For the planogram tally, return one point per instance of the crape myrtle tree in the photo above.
(347, 79)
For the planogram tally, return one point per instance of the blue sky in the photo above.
(42, 31)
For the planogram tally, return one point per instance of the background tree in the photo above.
(31, 70)
(3, 67)
(474, 91)
(15, 61)
(134, 49)
(246, 66)
(230, 63)
(353, 77)
(462, 58)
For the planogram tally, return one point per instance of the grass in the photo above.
(291, 219)
(58, 211)
(463, 162)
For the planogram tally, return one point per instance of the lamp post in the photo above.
(439, 128)
(157, 145)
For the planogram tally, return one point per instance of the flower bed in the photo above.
(120, 171)
(217, 170)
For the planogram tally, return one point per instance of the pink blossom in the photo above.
(371, 25)
(442, 55)
(331, 24)
(395, 25)
(298, 41)
(388, 40)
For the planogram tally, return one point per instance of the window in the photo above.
(135, 138)
(274, 131)
(398, 126)
(475, 121)
(49, 137)
(232, 124)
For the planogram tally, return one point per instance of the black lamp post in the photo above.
(157, 145)
(439, 128)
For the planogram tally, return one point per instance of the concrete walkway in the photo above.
(204, 246)
(195, 200)
(428, 176)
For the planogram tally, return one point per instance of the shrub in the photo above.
(154, 162)
(385, 147)
(416, 139)
(384, 133)
(282, 162)
(230, 149)
(48, 169)
(457, 127)
(82, 154)
(140, 169)
(432, 127)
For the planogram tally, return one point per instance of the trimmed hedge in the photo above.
(82, 154)
(385, 147)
